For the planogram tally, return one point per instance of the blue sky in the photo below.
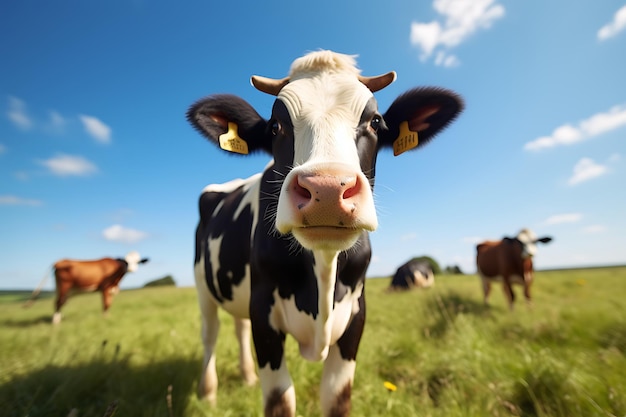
(97, 159)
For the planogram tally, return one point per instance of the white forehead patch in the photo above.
(526, 236)
(325, 101)
(529, 240)
(325, 111)
(132, 258)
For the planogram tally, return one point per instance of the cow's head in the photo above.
(529, 241)
(324, 133)
(134, 260)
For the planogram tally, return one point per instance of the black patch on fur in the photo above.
(276, 405)
(343, 404)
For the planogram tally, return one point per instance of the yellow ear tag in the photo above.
(406, 140)
(230, 141)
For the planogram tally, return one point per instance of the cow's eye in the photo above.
(275, 128)
(375, 123)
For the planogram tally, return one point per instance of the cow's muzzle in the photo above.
(328, 206)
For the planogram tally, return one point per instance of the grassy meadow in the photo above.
(444, 351)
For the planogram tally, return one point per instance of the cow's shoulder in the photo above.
(214, 196)
(228, 213)
(512, 244)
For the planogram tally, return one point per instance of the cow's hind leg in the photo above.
(336, 385)
(207, 387)
(246, 361)
(508, 292)
(486, 289)
(61, 298)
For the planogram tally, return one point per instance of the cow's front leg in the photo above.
(336, 386)
(246, 361)
(529, 300)
(279, 395)
(107, 298)
(207, 386)
(339, 366)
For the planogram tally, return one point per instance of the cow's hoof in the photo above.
(250, 379)
(56, 318)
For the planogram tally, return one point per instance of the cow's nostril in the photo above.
(300, 190)
(353, 188)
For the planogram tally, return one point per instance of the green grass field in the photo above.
(447, 354)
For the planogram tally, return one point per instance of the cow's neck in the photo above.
(326, 274)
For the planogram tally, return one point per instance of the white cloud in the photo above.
(3, 149)
(614, 158)
(21, 175)
(118, 233)
(595, 228)
(586, 169)
(426, 36)
(615, 26)
(57, 122)
(593, 126)
(446, 60)
(564, 218)
(96, 128)
(460, 19)
(11, 200)
(18, 115)
(473, 240)
(408, 236)
(69, 165)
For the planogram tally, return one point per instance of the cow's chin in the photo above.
(326, 238)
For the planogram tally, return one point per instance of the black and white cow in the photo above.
(416, 273)
(286, 250)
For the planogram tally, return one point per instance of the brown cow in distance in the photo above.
(508, 260)
(102, 275)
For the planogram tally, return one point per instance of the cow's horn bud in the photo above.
(268, 85)
(378, 82)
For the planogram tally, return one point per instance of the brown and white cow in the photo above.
(286, 250)
(102, 275)
(508, 260)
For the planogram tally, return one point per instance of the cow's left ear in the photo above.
(416, 116)
(546, 239)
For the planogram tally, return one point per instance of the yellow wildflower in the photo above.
(391, 387)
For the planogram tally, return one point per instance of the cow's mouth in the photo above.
(327, 237)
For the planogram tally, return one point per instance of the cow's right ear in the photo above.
(230, 122)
